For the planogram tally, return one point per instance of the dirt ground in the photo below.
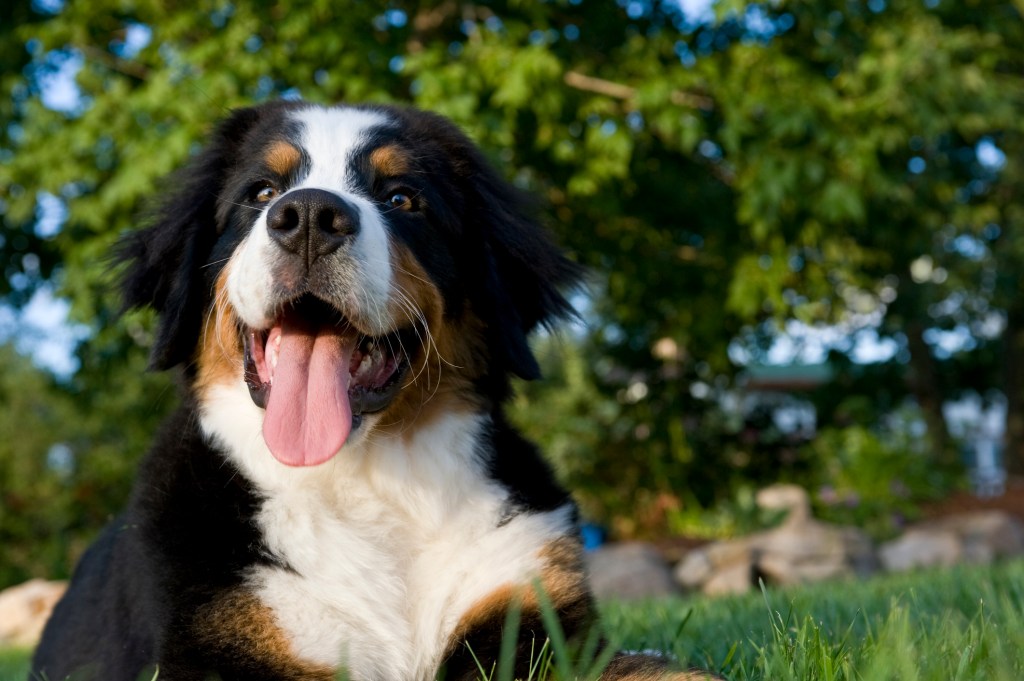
(1011, 501)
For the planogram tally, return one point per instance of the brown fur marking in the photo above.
(562, 579)
(648, 668)
(447, 360)
(219, 356)
(390, 160)
(564, 576)
(239, 622)
(282, 158)
(492, 608)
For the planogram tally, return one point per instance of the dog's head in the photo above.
(355, 266)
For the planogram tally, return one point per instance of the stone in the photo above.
(973, 537)
(784, 570)
(986, 535)
(785, 497)
(730, 579)
(24, 610)
(693, 570)
(729, 552)
(798, 551)
(805, 551)
(719, 568)
(860, 551)
(920, 548)
(629, 571)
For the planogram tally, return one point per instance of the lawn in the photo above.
(963, 623)
(13, 665)
(960, 624)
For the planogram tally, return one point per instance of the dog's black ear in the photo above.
(163, 262)
(526, 274)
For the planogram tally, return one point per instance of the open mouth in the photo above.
(316, 375)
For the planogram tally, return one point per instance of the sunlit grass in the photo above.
(14, 664)
(965, 623)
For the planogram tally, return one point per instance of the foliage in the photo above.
(32, 499)
(65, 461)
(651, 482)
(876, 481)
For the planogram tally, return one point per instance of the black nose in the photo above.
(312, 223)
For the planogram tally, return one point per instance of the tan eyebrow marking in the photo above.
(282, 157)
(390, 160)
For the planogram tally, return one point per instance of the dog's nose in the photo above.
(312, 222)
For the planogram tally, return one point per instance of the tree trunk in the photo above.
(1013, 375)
(925, 387)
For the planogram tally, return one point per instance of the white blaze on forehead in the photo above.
(329, 138)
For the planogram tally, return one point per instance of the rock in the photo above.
(860, 551)
(985, 535)
(798, 551)
(921, 547)
(783, 569)
(24, 610)
(803, 549)
(730, 579)
(730, 551)
(629, 570)
(972, 537)
(809, 551)
(693, 570)
(782, 497)
(723, 567)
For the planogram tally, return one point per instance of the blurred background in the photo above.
(803, 222)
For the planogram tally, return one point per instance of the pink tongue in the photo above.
(308, 415)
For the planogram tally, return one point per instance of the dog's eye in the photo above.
(401, 201)
(263, 193)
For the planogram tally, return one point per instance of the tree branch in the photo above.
(114, 63)
(580, 81)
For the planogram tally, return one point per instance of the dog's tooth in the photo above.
(365, 363)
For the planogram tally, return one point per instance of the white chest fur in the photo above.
(388, 545)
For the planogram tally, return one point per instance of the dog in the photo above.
(345, 292)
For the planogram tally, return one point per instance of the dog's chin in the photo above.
(316, 375)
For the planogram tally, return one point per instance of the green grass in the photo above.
(964, 623)
(14, 664)
(950, 625)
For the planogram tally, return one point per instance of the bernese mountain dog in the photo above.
(346, 292)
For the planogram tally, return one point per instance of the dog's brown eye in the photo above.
(401, 201)
(265, 194)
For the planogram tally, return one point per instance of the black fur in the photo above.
(184, 537)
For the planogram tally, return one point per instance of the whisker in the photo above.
(215, 262)
(240, 205)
